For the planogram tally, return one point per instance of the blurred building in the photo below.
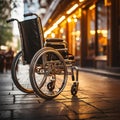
(37, 6)
(17, 13)
(91, 28)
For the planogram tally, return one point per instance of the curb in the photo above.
(99, 72)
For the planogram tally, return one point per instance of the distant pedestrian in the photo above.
(2, 58)
(9, 55)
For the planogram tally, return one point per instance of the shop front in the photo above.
(88, 31)
(96, 24)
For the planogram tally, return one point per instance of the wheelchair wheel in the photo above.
(48, 73)
(20, 74)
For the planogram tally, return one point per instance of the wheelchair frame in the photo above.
(46, 62)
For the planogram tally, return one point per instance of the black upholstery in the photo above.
(54, 40)
(57, 44)
(30, 35)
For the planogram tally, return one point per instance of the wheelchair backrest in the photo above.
(32, 37)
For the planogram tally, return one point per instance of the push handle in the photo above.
(25, 15)
(30, 14)
(10, 20)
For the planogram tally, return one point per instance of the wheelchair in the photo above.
(42, 65)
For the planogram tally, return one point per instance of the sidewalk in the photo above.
(97, 99)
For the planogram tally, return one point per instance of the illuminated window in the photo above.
(98, 29)
(91, 31)
(74, 33)
(62, 30)
(102, 31)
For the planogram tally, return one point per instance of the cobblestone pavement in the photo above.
(98, 98)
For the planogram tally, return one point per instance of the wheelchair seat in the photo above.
(61, 46)
(54, 40)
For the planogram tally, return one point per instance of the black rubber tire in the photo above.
(14, 71)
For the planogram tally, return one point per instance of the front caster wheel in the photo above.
(51, 85)
(74, 89)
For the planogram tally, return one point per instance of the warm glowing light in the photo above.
(61, 30)
(73, 33)
(92, 32)
(98, 31)
(2, 47)
(69, 19)
(49, 30)
(74, 16)
(77, 38)
(45, 34)
(107, 2)
(75, 20)
(81, 0)
(103, 32)
(54, 26)
(63, 36)
(92, 7)
(72, 9)
(78, 33)
(53, 35)
(60, 20)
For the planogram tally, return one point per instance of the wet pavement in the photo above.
(98, 98)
